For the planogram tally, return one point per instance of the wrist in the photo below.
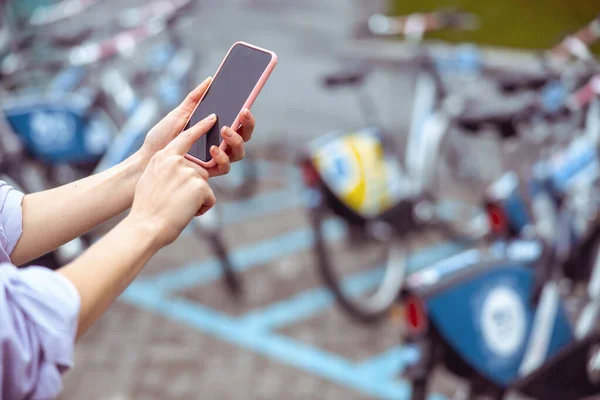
(130, 173)
(136, 164)
(147, 231)
(142, 158)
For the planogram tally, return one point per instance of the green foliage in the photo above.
(524, 24)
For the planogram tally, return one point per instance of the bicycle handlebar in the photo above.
(572, 44)
(417, 24)
(165, 14)
(136, 16)
(351, 76)
(505, 114)
(585, 95)
(123, 42)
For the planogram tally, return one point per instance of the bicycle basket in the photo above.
(358, 172)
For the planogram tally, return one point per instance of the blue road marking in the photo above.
(277, 347)
(239, 211)
(390, 363)
(311, 302)
(277, 315)
(374, 377)
(263, 204)
(271, 202)
(245, 258)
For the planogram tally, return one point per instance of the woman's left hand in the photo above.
(235, 144)
(171, 125)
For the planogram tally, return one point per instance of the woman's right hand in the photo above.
(172, 189)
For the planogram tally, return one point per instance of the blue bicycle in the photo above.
(65, 131)
(513, 331)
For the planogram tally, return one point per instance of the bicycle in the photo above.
(402, 201)
(516, 282)
(72, 96)
(88, 124)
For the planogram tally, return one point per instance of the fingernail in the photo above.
(247, 114)
(211, 117)
(216, 151)
(227, 132)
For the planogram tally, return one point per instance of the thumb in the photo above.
(187, 107)
(186, 139)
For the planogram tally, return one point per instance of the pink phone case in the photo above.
(253, 95)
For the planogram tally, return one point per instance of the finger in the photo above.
(203, 210)
(222, 160)
(174, 122)
(209, 200)
(186, 139)
(188, 105)
(248, 123)
(235, 143)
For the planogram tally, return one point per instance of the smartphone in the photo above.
(241, 76)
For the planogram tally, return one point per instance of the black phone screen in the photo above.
(227, 94)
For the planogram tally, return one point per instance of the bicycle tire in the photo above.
(376, 307)
(231, 278)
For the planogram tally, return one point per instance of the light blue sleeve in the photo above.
(11, 220)
(39, 311)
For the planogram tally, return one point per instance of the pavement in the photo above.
(176, 333)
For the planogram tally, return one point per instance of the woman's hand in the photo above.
(170, 192)
(172, 189)
(235, 144)
(170, 126)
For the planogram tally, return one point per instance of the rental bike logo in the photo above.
(52, 130)
(503, 321)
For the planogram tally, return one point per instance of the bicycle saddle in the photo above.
(512, 81)
(352, 76)
(501, 113)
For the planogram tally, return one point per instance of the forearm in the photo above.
(54, 217)
(105, 270)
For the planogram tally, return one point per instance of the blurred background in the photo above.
(382, 238)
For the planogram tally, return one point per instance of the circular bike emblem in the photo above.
(503, 321)
(52, 130)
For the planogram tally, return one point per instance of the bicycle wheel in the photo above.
(364, 267)
(208, 227)
(233, 281)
